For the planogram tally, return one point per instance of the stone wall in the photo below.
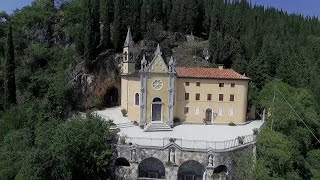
(136, 154)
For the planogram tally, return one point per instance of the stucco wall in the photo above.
(211, 86)
(129, 87)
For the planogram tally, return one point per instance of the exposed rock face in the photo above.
(91, 87)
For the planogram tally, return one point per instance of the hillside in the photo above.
(63, 56)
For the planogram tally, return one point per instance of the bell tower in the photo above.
(128, 62)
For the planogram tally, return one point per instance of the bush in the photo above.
(98, 104)
(176, 120)
(232, 124)
(169, 163)
(240, 139)
(124, 112)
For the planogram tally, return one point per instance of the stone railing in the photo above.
(191, 144)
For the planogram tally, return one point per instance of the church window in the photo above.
(209, 97)
(197, 96)
(197, 111)
(186, 110)
(233, 84)
(136, 99)
(231, 112)
(220, 112)
(231, 97)
(198, 83)
(187, 83)
(221, 84)
(125, 56)
(220, 97)
(186, 96)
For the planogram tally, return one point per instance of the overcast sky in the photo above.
(305, 7)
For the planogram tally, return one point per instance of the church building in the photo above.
(161, 92)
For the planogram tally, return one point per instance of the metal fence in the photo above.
(191, 144)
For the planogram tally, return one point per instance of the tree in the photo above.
(105, 7)
(92, 32)
(118, 26)
(10, 80)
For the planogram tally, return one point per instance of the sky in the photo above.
(305, 7)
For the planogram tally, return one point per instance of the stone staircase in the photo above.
(157, 126)
(122, 125)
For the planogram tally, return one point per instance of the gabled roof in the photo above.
(210, 73)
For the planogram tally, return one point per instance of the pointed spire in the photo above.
(144, 61)
(158, 51)
(171, 62)
(129, 41)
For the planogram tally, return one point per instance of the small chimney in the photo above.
(221, 66)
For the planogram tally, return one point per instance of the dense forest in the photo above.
(41, 44)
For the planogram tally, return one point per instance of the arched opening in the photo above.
(191, 170)
(220, 172)
(136, 99)
(157, 109)
(122, 162)
(111, 98)
(208, 115)
(151, 168)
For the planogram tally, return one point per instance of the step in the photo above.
(157, 126)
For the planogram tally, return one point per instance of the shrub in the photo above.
(240, 139)
(176, 120)
(124, 112)
(123, 138)
(169, 163)
(98, 104)
(232, 124)
(215, 176)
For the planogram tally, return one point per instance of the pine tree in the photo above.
(89, 44)
(105, 6)
(118, 25)
(10, 83)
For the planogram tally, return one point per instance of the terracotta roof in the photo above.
(210, 73)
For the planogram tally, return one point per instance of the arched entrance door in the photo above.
(156, 109)
(209, 115)
(191, 170)
(111, 97)
(151, 168)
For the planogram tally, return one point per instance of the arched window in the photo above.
(136, 99)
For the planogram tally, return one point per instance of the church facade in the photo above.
(164, 93)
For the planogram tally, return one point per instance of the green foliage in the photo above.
(98, 104)
(232, 124)
(9, 77)
(124, 112)
(313, 163)
(78, 149)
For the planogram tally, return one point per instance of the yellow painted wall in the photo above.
(129, 87)
(211, 86)
(158, 71)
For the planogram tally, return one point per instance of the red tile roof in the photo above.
(210, 73)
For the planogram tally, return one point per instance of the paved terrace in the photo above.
(190, 136)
